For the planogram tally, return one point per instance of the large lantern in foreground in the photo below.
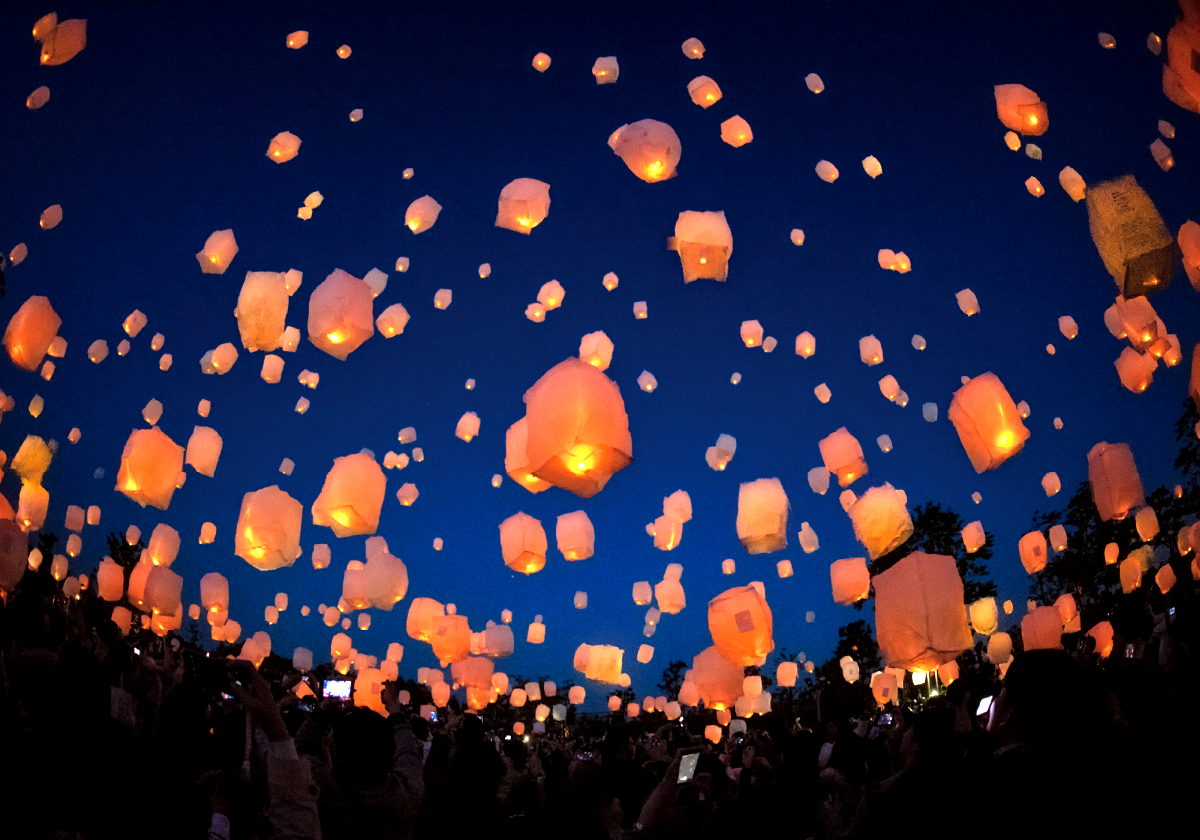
(741, 625)
(920, 620)
(150, 467)
(987, 421)
(268, 529)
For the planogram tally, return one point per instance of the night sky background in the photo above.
(155, 136)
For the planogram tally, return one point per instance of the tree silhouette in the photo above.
(672, 677)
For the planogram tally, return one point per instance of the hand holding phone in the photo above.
(687, 767)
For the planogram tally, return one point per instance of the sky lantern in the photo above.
(1041, 629)
(1135, 370)
(1103, 634)
(61, 41)
(31, 331)
(668, 593)
(719, 456)
(38, 98)
(110, 580)
(268, 529)
(422, 214)
(704, 91)
(717, 679)
(1181, 79)
(596, 349)
(578, 431)
(297, 39)
(762, 516)
(352, 496)
(705, 244)
(920, 621)
(1134, 243)
(897, 261)
(850, 580)
(219, 250)
(987, 421)
(1115, 483)
(651, 149)
(392, 321)
(214, 592)
(692, 48)
(516, 463)
(872, 166)
(163, 590)
(736, 131)
(283, 147)
(984, 615)
(451, 639)
(262, 310)
(14, 555)
(204, 450)
(881, 520)
(575, 535)
(826, 171)
(422, 618)
(523, 543)
(340, 314)
(1020, 109)
(600, 663)
(541, 62)
(536, 635)
(843, 456)
(1072, 182)
(1189, 246)
(740, 622)
(150, 467)
(751, 333)
(163, 546)
(1033, 552)
(524, 204)
(467, 427)
(606, 70)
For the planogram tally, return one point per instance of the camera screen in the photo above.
(337, 688)
(985, 706)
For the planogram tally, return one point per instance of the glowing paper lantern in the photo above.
(468, 426)
(651, 149)
(30, 332)
(762, 516)
(718, 680)
(516, 462)
(524, 204)
(736, 131)
(540, 62)
(352, 496)
(110, 580)
(451, 639)
(596, 349)
(1134, 243)
(1041, 629)
(283, 147)
(984, 615)
(881, 520)
(422, 214)
(423, 614)
(1032, 550)
(606, 70)
(740, 622)
(692, 48)
(150, 467)
(268, 529)
(204, 450)
(702, 90)
(850, 580)
(827, 172)
(575, 535)
(1115, 483)
(705, 244)
(919, 617)
(340, 314)
(843, 456)
(1020, 109)
(987, 421)
(218, 252)
(523, 543)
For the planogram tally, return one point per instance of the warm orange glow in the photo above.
(335, 337)
(131, 486)
(703, 260)
(580, 458)
(1032, 120)
(213, 259)
(341, 518)
(413, 224)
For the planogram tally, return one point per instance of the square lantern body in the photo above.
(150, 467)
(352, 497)
(670, 596)
(1021, 110)
(705, 244)
(717, 680)
(919, 616)
(704, 91)
(1115, 483)
(204, 450)
(651, 149)
(163, 590)
(1181, 73)
(340, 314)
(451, 639)
(163, 547)
(268, 529)
(740, 622)
(262, 310)
(283, 147)
(987, 421)
(30, 332)
(110, 580)
(219, 250)
(422, 214)
(881, 520)
(214, 592)
(523, 543)
(62, 42)
(603, 663)
(762, 516)
(1134, 243)
(577, 428)
(575, 535)
(516, 464)
(984, 615)
(1041, 629)
(843, 456)
(524, 204)
(1032, 550)
(850, 580)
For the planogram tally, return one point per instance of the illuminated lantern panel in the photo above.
(575, 535)
(1041, 629)
(295, 41)
(38, 98)
(62, 41)
(1135, 370)
(606, 70)
(268, 529)
(850, 580)
(150, 467)
(1072, 182)
(524, 204)
(651, 149)
(736, 131)
(919, 616)
(262, 310)
(741, 625)
(516, 464)
(826, 171)
(340, 314)
(577, 428)
(881, 520)
(984, 615)
(987, 421)
(468, 427)
(523, 543)
(219, 250)
(1020, 109)
(204, 450)
(423, 614)
(1189, 246)
(705, 244)
(352, 496)
(596, 349)
(692, 48)
(718, 680)
(843, 456)
(601, 663)
(1115, 483)
(421, 214)
(1181, 78)
(762, 516)
(872, 166)
(451, 640)
(1033, 551)
(704, 91)
(1134, 243)
(31, 331)
(541, 61)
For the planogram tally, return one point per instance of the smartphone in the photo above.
(985, 706)
(338, 689)
(307, 705)
(137, 651)
(885, 719)
(433, 716)
(687, 767)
